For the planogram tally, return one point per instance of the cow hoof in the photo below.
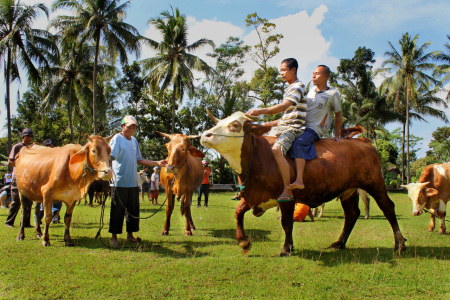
(441, 231)
(430, 229)
(69, 243)
(45, 243)
(188, 233)
(20, 238)
(400, 248)
(165, 233)
(337, 245)
(366, 217)
(192, 227)
(246, 245)
(285, 254)
(38, 235)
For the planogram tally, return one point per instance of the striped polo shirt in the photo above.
(295, 115)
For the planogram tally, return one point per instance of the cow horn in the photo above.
(169, 136)
(88, 137)
(192, 137)
(252, 118)
(109, 138)
(212, 117)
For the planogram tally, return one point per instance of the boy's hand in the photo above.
(255, 112)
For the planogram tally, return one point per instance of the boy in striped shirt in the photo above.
(291, 124)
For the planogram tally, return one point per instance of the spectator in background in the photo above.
(27, 139)
(145, 187)
(8, 177)
(154, 186)
(204, 187)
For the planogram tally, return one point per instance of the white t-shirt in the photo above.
(154, 179)
(321, 105)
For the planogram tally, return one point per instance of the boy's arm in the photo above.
(272, 110)
(337, 126)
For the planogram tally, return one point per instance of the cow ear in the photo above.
(432, 192)
(195, 152)
(109, 138)
(79, 156)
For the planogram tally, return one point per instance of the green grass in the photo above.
(210, 264)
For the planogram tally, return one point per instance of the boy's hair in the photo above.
(291, 63)
(326, 69)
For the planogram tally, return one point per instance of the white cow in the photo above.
(141, 178)
(431, 192)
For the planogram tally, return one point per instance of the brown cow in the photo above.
(339, 170)
(184, 164)
(432, 192)
(62, 173)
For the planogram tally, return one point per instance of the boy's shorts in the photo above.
(285, 136)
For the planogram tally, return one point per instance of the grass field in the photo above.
(210, 264)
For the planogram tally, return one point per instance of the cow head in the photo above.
(228, 136)
(96, 154)
(178, 150)
(421, 196)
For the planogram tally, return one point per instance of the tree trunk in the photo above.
(94, 83)
(408, 175)
(403, 153)
(8, 97)
(172, 131)
(70, 115)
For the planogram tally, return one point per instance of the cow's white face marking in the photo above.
(440, 170)
(415, 195)
(226, 139)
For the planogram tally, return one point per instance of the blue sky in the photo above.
(315, 32)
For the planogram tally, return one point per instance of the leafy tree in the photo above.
(22, 45)
(173, 63)
(409, 67)
(97, 21)
(267, 46)
(362, 104)
(69, 79)
(265, 83)
(441, 143)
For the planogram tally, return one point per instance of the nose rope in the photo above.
(434, 215)
(233, 136)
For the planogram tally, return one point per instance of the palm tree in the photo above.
(69, 78)
(409, 67)
(173, 64)
(98, 21)
(22, 45)
(445, 67)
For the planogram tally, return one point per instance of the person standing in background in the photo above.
(204, 187)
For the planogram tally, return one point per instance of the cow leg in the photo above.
(186, 207)
(432, 221)
(287, 221)
(351, 213)
(48, 217)
(388, 208)
(67, 220)
(442, 214)
(242, 239)
(169, 210)
(322, 208)
(21, 235)
(366, 200)
(37, 212)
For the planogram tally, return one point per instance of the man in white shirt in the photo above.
(154, 186)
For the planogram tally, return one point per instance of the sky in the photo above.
(315, 32)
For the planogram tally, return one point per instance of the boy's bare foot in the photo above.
(132, 239)
(296, 186)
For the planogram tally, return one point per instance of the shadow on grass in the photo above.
(165, 248)
(331, 258)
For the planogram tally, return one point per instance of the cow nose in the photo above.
(208, 134)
